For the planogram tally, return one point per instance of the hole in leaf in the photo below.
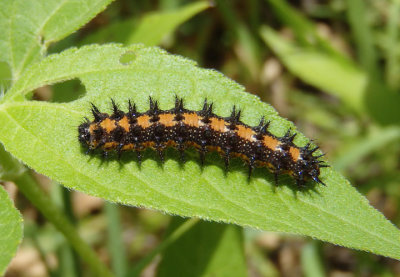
(67, 91)
(127, 58)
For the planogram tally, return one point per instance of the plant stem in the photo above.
(115, 244)
(69, 264)
(311, 259)
(29, 187)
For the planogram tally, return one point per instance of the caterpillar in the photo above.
(181, 128)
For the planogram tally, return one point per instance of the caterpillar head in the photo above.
(84, 134)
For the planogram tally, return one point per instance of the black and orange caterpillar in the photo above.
(205, 131)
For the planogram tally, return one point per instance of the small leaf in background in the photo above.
(10, 230)
(150, 29)
(336, 75)
(153, 27)
(327, 72)
(207, 249)
(68, 16)
(336, 213)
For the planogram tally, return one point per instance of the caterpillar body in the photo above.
(181, 128)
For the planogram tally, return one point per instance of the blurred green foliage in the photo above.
(332, 67)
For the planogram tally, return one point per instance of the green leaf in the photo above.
(155, 26)
(327, 72)
(207, 249)
(44, 136)
(10, 230)
(149, 30)
(67, 16)
(28, 27)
